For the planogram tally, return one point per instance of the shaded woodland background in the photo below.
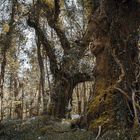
(27, 75)
(72, 58)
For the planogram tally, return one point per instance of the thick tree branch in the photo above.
(57, 9)
(82, 77)
(50, 52)
(91, 7)
(47, 46)
(54, 22)
(62, 37)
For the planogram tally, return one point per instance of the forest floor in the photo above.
(43, 128)
(40, 128)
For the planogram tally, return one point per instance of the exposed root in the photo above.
(122, 75)
(99, 133)
(136, 119)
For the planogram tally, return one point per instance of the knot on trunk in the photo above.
(98, 45)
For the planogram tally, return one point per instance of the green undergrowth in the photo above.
(40, 128)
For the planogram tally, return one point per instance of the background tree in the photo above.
(8, 29)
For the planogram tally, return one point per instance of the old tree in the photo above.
(115, 27)
(112, 34)
(66, 75)
(110, 29)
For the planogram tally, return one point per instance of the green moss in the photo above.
(40, 119)
(49, 3)
(101, 121)
(101, 109)
(136, 132)
(104, 99)
(45, 129)
(101, 85)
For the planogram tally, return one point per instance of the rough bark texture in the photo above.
(115, 25)
(5, 44)
(61, 98)
(66, 76)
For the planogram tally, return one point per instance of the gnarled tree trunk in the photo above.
(115, 25)
(61, 98)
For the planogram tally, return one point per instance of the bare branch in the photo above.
(122, 75)
(134, 107)
(99, 132)
(126, 95)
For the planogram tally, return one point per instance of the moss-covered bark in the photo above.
(114, 44)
